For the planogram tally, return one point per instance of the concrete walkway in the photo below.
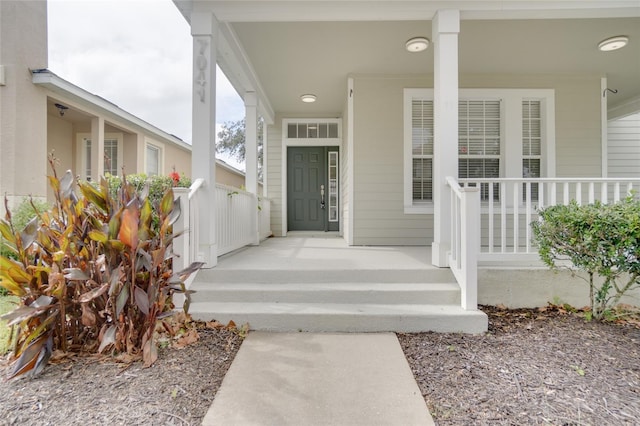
(306, 379)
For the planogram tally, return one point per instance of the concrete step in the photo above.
(361, 293)
(298, 276)
(344, 317)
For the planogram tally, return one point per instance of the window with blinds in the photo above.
(479, 142)
(422, 149)
(531, 143)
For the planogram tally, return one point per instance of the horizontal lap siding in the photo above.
(274, 176)
(378, 146)
(624, 147)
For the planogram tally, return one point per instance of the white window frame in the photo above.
(81, 156)
(287, 142)
(511, 134)
(160, 152)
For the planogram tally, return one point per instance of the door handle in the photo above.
(322, 196)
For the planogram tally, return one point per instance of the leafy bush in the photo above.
(26, 210)
(157, 185)
(92, 274)
(601, 239)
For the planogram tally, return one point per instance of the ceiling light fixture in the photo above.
(308, 98)
(417, 44)
(613, 43)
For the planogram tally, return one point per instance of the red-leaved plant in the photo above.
(93, 274)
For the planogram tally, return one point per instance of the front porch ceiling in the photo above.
(312, 46)
(315, 57)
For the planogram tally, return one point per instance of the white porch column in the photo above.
(446, 26)
(251, 141)
(97, 148)
(204, 29)
(251, 155)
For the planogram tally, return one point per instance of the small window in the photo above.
(152, 166)
(312, 130)
(422, 149)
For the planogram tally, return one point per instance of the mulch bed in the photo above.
(533, 367)
(177, 390)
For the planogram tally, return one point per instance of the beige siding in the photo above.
(378, 133)
(23, 128)
(274, 175)
(178, 158)
(623, 153)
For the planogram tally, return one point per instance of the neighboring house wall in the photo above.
(379, 217)
(23, 46)
(623, 153)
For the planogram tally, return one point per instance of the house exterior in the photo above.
(43, 113)
(508, 90)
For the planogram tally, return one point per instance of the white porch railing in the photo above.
(508, 206)
(242, 219)
(465, 207)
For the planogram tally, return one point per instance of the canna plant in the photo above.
(93, 273)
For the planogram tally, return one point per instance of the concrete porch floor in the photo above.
(324, 251)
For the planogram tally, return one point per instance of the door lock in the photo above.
(322, 196)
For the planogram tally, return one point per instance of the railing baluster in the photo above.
(528, 218)
(552, 201)
(490, 219)
(579, 193)
(503, 217)
(603, 192)
(592, 192)
(516, 214)
(616, 192)
(565, 191)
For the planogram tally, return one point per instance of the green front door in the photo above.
(308, 189)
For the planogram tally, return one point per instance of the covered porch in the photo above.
(453, 147)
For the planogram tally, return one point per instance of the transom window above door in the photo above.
(303, 129)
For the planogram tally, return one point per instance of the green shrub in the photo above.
(21, 215)
(92, 273)
(156, 186)
(601, 239)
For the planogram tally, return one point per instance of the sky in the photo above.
(137, 55)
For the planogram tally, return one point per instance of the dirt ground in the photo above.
(532, 367)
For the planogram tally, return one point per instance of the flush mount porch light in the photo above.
(613, 43)
(308, 98)
(417, 44)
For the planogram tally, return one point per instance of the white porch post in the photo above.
(97, 148)
(251, 155)
(204, 29)
(446, 26)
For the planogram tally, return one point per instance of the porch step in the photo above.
(338, 293)
(344, 317)
(301, 276)
(334, 300)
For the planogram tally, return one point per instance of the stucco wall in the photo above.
(23, 46)
(378, 146)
